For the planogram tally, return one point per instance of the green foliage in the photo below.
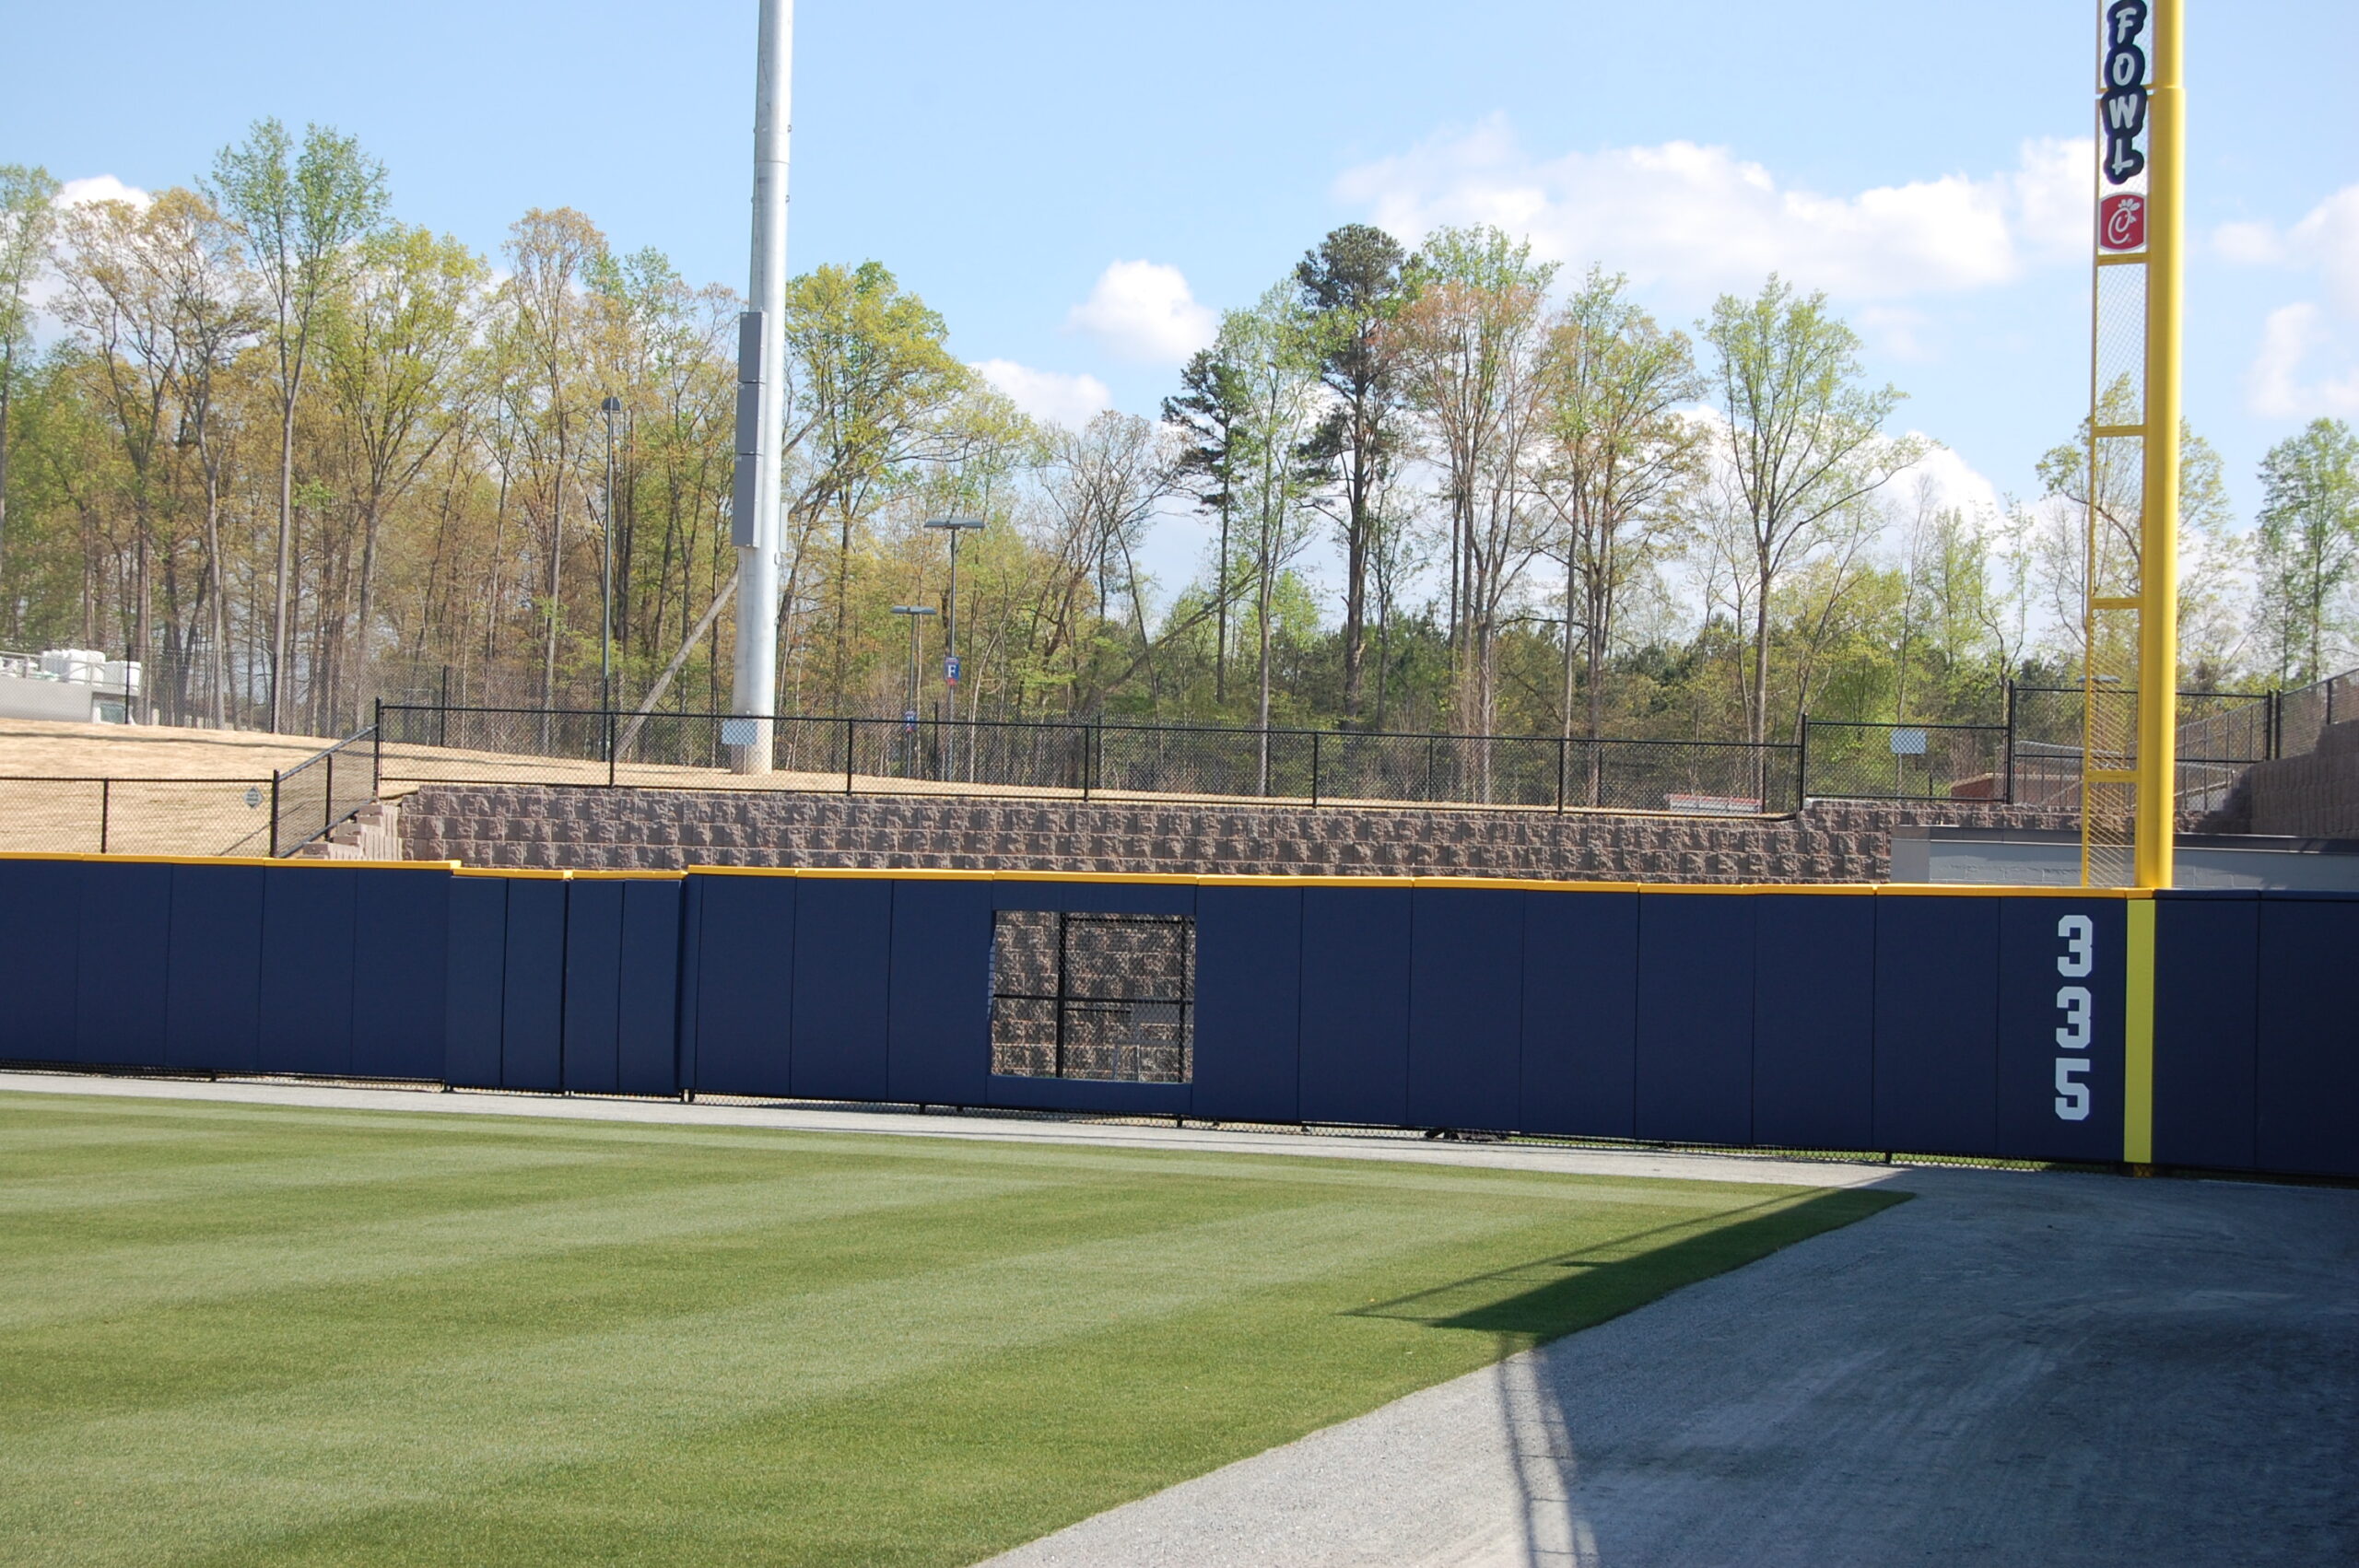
(2308, 549)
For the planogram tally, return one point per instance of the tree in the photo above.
(214, 315)
(874, 383)
(1352, 284)
(300, 214)
(2092, 542)
(1275, 348)
(1469, 345)
(1104, 482)
(28, 221)
(1206, 416)
(543, 338)
(1804, 441)
(120, 303)
(2306, 547)
(395, 341)
(1620, 452)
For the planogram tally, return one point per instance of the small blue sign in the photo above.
(950, 668)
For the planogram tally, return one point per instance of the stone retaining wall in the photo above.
(596, 829)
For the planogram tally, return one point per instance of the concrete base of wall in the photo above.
(597, 830)
(373, 833)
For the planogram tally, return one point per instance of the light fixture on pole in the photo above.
(953, 526)
(612, 407)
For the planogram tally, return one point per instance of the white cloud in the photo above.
(100, 188)
(2274, 388)
(1948, 480)
(2249, 244)
(1701, 219)
(1144, 311)
(1048, 395)
(2325, 243)
(1893, 330)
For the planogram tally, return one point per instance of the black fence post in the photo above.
(327, 796)
(606, 726)
(2010, 744)
(1564, 746)
(1802, 767)
(275, 776)
(377, 752)
(847, 745)
(105, 805)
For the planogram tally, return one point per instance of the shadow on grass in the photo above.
(1531, 1302)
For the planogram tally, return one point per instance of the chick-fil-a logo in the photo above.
(2121, 111)
(2122, 222)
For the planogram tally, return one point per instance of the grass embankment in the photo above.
(259, 1335)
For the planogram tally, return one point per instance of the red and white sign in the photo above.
(2122, 223)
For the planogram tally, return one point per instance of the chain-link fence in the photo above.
(1104, 997)
(1904, 762)
(135, 816)
(308, 800)
(852, 755)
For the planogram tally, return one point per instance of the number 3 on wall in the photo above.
(2076, 962)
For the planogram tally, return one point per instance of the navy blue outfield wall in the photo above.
(2182, 1029)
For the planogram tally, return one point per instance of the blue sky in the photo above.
(1916, 160)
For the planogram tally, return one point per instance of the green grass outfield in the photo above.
(248, 1334)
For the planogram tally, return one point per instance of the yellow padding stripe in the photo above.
(2138, 1039)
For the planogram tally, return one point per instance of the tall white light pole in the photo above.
(760, 346)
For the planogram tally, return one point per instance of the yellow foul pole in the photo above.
(2157, 764)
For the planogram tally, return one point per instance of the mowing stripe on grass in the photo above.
(578, 1343)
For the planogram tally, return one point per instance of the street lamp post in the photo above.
(909, 703)
(953, 526)
(612, 407)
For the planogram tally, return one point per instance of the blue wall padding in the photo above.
(1695, 1077)
(647, 999)
(125, 932)
(307, 973)
(843, 984)
(1355, 955)
(532, 1008)
(692, 892)
(2207, 993)
(745, 976)
(1813, 1020)
(40, 956)
(1919, 1023)
(1937, 1024)
(1465, 1008)
(213, 998)
(939, 1014)
(1580, 1015)
(1248, 1003)
(401, 939)
(2030, 1013)
(1083, 1095)
(594, 952)
(474, 981)
(2307, 1070)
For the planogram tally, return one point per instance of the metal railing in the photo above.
(2031, 759)
(310, 798)
(1085, 760)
